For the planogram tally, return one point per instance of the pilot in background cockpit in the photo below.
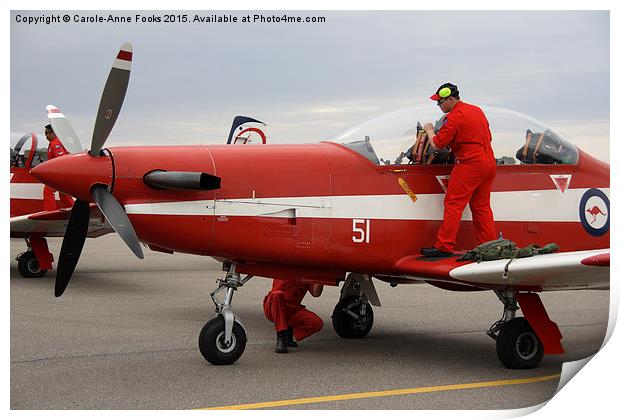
(466, 131)
(54, 150)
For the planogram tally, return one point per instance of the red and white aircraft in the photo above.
(29, 219)
(340, 211)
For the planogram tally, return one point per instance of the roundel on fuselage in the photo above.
(594, 212)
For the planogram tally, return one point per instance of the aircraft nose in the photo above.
(75, 174)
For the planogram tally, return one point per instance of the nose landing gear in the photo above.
(222, 340)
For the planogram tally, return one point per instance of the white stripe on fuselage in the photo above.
(539, 205)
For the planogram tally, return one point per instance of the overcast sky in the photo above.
(311, 81)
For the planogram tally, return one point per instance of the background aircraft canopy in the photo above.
(383, 139)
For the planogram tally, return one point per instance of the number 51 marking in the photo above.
(361, 230)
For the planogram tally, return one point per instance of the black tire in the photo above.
(28, 265)
(212, 346)
(518, 346)
(347, 326)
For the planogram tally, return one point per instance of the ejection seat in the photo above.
(546, 148)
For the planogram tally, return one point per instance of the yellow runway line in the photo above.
(389, 393)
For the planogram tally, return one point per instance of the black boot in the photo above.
(281, 342)
(434, 252)
(290, 338)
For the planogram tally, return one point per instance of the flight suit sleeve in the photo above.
(447, 132)
(58, 150)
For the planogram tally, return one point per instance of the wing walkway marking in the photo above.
(388, 393)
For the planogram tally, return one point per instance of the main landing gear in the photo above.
(36, 260)
(28, 265)
(516, 343)
(222, 340)
(353, 316)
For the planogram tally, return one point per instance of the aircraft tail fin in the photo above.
(237, 131)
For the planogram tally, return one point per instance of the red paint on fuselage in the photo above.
(323, 170)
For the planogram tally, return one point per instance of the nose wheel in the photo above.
(222, 340)
(214, 346)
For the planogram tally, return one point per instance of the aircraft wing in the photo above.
(54, 223)
(558, 271)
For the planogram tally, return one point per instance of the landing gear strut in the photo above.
(516, 343)
(222, 340)
(353, 316)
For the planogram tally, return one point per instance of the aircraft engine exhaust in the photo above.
(160, 179)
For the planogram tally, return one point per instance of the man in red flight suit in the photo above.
(283, 307)
(466, 131)
(54, 150)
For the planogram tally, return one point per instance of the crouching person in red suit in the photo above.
(292, 320)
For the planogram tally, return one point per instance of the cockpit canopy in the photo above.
(25, 153)
(517, 138)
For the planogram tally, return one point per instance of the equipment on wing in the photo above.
(505, 249)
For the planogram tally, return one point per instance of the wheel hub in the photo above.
(33, 266)
(222, 345)
(527, 345)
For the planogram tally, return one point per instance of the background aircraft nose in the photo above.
(75, 174)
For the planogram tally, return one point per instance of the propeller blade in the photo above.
(112, 98)
(72, 245)
(116, 216)
(63, 129)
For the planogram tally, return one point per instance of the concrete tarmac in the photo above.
(124, 336)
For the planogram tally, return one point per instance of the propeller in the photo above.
(112, 98)
(116, 216)
(77, 226)
(72, 245)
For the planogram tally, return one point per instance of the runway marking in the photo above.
(388, 393)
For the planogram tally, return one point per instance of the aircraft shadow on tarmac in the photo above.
(91, 282)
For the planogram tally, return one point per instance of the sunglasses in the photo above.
(441, 101)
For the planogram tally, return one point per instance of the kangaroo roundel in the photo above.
(594, 212)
